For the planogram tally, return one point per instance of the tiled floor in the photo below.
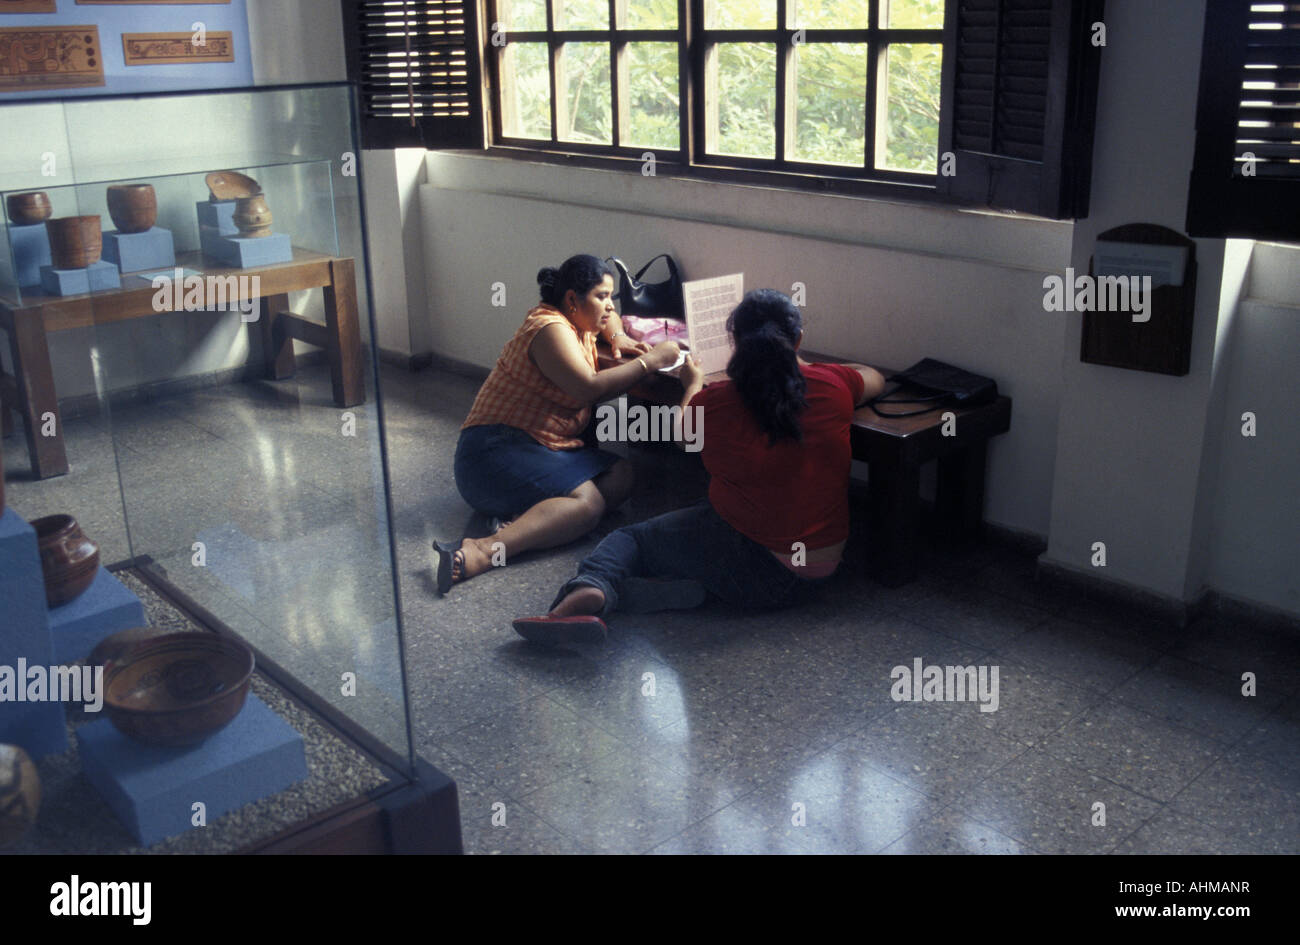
(710, 731)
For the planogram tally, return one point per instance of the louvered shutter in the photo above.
(1019, 94)
(416, 65)
(1246, 174)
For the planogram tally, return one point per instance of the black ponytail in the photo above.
(581, 273)
(766, 326)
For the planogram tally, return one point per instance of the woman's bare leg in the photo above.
(549, 523)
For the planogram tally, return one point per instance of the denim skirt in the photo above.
(502, 471)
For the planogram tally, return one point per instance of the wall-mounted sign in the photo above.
(26, 6)
(156, 49)
(48, 57)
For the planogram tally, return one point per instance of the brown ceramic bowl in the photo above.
(114, 647)
(69, 560)
(26, 209)
(231, 185)
(252, 216)
(177, 689)
(75, 242)
(133, 207)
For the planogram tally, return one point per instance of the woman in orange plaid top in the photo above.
(521, 457)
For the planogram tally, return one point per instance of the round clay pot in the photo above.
(133, 207)
(75, 242)
(20, 794)
(69, 560)
(252, 216)
(26, 209)
(177, 689)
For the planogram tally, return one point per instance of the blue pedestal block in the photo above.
(31, 248)
(106, 607)
(25, 634)
(153, 790)
(131, 252)
(96, 276)
(217, 214)
(241, 252)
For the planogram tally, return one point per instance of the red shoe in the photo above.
(553, 631)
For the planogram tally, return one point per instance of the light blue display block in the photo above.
(96, 276)
(153, 790)
(105, 608)
(152, 249)
(217, 214)
(25, 634)
(242, 252)
(31, 247)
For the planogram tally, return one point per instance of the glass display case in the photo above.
(190, 362)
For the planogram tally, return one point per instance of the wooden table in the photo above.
(895, 449)
(30, 389)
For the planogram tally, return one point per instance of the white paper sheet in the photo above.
(708, 303)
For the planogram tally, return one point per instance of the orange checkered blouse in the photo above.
(518, 394)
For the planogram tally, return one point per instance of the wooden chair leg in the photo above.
(898, 492)
(277, 346)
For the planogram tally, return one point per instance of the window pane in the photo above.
(581, 15)
(651, 15)
(525, 91)
(909, 140)
(744, 77)
(653, 118)
(911, 14)
(522, 15)
(828, 14)
(585, 113)
(739, 14)
(830, 121)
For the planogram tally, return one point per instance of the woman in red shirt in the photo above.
(776, 445)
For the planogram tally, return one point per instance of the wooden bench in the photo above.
(895, 448)
(30, 389)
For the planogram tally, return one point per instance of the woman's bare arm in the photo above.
(558, 355)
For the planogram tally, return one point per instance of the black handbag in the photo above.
(937, 384)
(651, 299)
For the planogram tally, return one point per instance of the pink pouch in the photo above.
(654, 330)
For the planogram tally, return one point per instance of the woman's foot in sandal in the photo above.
(461, 562)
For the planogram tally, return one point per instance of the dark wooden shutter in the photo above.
(1019, 95)
(416, 65)
(1231, 194)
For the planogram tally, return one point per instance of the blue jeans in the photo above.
(693, 553)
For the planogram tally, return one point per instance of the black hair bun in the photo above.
(546, 276)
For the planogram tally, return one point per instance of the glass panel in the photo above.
(651, 15)
(745, 122)
(264, 502)
(739, 14)
(653, 116)
(830, 82)
(909, 139)
(581, 15)
(586, 112)
(828, 14)
(522, 14)
(912, 14)
(526, 91)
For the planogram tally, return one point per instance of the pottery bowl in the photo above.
(177, 689)
(26, 209)
(69, 560)
(133, 207)
(252, 216)
(75, 242)
(20, 794)
(230, 185)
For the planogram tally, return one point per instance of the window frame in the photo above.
(692, 159)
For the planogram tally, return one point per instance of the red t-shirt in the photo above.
(791, 491)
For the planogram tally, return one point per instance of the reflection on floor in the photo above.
(710, 731)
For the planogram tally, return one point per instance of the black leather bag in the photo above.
(937, 384)
(651, 299)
